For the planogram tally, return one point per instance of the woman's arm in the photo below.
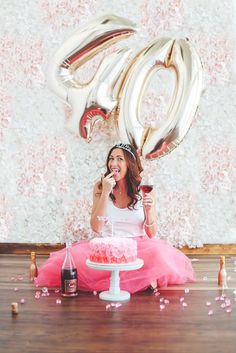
(150, 222)
(100, 201)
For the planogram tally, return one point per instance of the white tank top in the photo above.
(126, 223)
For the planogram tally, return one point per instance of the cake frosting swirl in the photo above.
(113, 250)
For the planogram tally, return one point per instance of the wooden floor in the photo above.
(84, 324)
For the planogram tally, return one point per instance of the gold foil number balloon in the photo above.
(164, 53)
(117, 89)
(93, 101)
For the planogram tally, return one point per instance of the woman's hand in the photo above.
(148, 201)
(150, 224)
(108, 183)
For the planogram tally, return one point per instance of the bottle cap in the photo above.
(33, 256)
(222, 259)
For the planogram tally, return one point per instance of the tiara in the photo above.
(125, 147)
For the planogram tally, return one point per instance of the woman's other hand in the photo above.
(108, 183)
(149, 205)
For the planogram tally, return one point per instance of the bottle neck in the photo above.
(222, 262)
(222, 266)
(68, 247)
(67, 251)
(68, 262)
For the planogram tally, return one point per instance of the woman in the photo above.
(117, 198)
(120, 190)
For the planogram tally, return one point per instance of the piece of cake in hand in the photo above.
(113, 250)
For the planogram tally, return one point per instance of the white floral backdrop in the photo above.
(47, 174)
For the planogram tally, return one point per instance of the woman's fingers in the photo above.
(110, 175)
(148, 200)
(109, 182)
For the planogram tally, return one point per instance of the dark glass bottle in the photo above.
(69, 279)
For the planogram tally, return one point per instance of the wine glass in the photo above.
(146, 188)
(107, 222)
(146, 185)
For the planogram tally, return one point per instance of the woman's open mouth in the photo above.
(115, 171)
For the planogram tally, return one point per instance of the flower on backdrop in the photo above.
(44, 168)
(164, 15)
(21, 59)
(77, 220)
(5, 112)
(179, 217)
(5, 218)
(67, 13)
(218, 171)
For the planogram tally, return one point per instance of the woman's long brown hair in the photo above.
(133, 177)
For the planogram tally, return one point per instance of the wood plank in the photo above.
(83, 324)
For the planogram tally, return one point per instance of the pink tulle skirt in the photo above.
(162, 263)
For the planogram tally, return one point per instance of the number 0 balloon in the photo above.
(164, 53)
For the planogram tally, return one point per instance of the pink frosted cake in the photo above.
(113, 250)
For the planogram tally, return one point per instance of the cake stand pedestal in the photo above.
(114, 293)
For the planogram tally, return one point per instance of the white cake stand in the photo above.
(114, 293)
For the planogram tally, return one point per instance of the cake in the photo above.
(113, 250)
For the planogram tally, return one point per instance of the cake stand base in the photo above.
(114, 293)
(121, 296)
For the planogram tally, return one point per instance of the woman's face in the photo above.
(117, 164)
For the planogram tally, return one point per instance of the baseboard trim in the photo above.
(211, 249)
(46, 248)
(26, 248)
